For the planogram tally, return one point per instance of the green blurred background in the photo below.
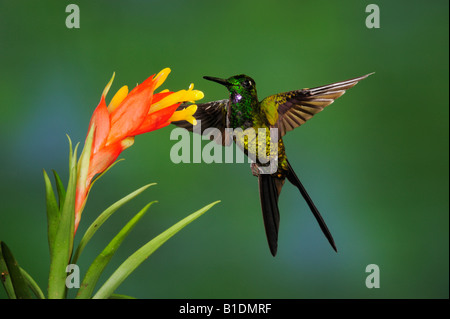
(375, 162)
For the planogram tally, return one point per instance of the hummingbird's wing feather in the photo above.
(208, 115)
(291, 109)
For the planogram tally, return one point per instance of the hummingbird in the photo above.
(283, 112)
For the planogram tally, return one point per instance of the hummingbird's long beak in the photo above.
(217, 80)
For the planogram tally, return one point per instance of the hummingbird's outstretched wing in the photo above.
(291, 109)
(208, 115)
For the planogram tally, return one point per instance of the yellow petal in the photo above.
(127, 142)
(161, 77)
(177, 97)
(186, 114)
(118, 98)
(108, 86)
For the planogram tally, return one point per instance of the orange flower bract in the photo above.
(128, 114)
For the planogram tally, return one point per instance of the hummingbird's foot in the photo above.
(255, 169)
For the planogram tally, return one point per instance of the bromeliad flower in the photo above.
(112, 128)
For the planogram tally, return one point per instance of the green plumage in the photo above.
(244, 113)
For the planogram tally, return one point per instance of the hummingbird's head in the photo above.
(240, 86)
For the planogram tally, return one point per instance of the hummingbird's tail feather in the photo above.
(269, 189)
(292, 177)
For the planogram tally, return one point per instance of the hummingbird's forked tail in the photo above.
(292, 177)
(269, 189)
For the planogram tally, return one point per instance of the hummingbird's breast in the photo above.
(252, 131)
(240, 113)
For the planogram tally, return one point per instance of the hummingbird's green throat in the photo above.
(244, 106)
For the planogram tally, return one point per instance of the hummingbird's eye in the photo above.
(247, 83)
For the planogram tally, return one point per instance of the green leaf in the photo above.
(102, 218)
(52, 213)
(83, 169)
(60, 189)
(99, 264)
(19, 283)
(63, 244)
(85, 157)
(132, 262)
(32, 284)
(116, 296)
(96, 178)
(5, 276)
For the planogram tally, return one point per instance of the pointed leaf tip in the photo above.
(18, 281)
(98, 222)
(102, 260)
(138, 257)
